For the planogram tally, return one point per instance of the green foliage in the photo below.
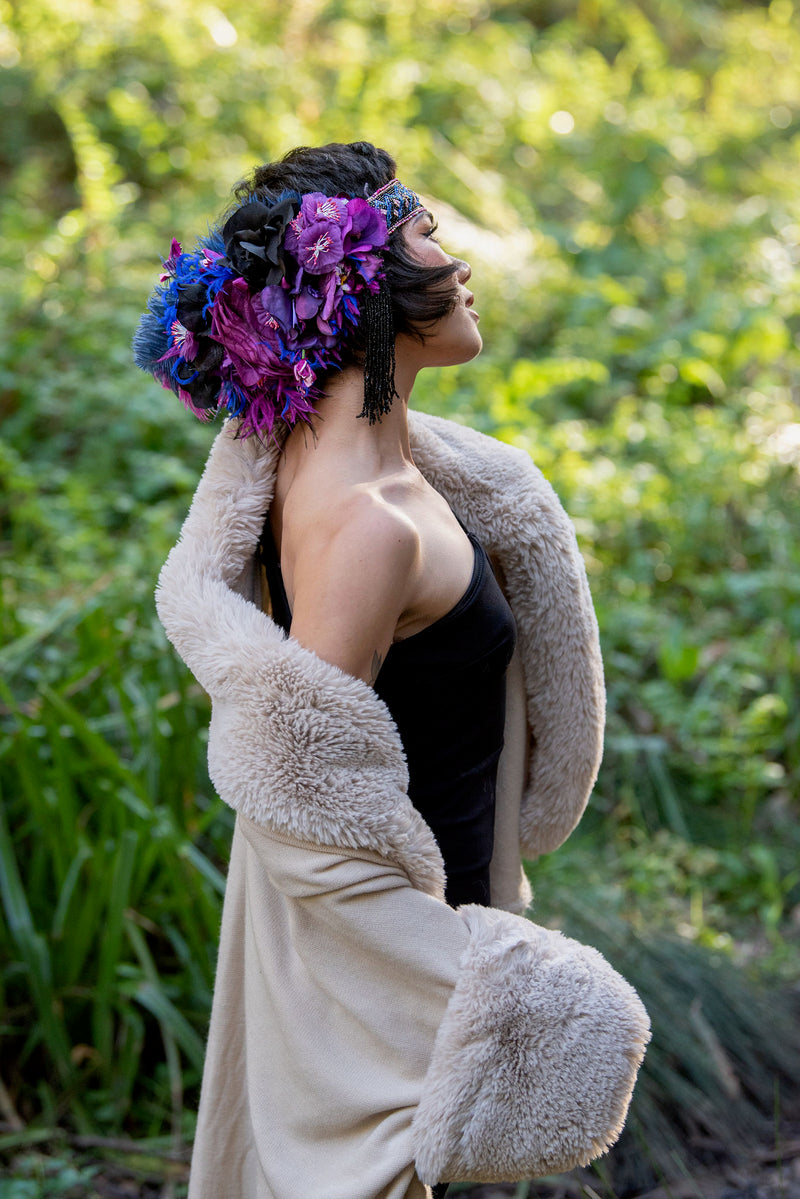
(57, 1168)
(622, 177)
(45, 1179)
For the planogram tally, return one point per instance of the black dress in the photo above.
(445, 689)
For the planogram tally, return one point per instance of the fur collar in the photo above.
(507, 502)
(311, 752)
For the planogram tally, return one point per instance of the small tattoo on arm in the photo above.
(377, 662)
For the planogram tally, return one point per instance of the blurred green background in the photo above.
(623, 177)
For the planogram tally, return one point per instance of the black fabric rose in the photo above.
(199, 377)
(204, 390)
(192, 299)
(209, 355)
(254, 238)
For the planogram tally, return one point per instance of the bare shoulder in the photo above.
(352, 565)
(353, 529)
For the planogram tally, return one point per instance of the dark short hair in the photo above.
(420, 295)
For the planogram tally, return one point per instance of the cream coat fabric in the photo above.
(365, 1038)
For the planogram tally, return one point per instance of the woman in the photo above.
(384, 743)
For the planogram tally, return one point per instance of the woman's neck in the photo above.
(339, 431)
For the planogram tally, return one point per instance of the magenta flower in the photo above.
(369, 266)
(235, 325)
(304, 374)
(175, 252)
(184, 342)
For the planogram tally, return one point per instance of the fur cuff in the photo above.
(535, 1060)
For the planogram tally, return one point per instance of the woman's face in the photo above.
(454, 338)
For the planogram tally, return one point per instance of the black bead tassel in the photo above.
(379, 362)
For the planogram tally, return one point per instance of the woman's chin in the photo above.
(473, 348)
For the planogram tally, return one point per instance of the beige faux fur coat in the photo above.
(366, 1039)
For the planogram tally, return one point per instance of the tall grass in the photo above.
(112, 883)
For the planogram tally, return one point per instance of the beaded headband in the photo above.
(397, 203)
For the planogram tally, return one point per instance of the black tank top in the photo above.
(445, 689)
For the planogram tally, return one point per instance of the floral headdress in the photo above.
(250, 320)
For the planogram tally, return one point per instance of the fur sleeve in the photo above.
(534, 1061)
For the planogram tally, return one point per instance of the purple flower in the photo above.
(368, 227)
(317, 207)
(333, 286)
(307, 304)
(273, 308)
(252, 331)
(368, 266)
(319, 247)
(316, 235)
